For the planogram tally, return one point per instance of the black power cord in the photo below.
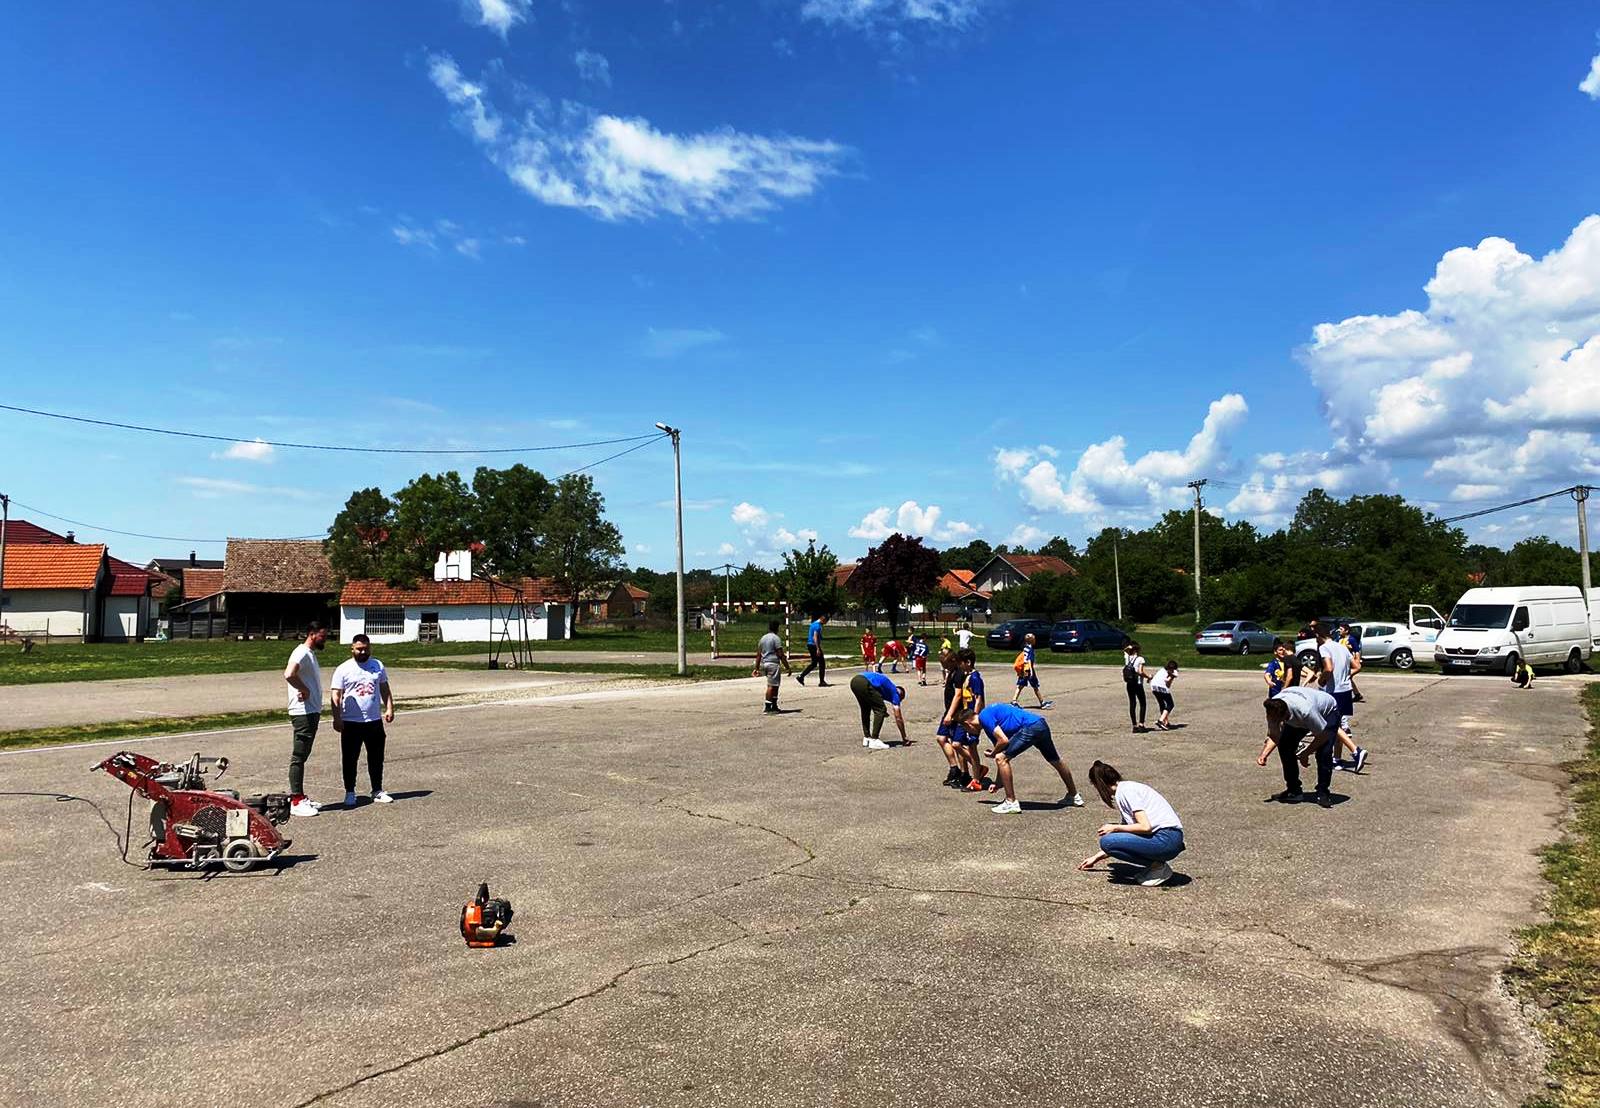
(123, 840)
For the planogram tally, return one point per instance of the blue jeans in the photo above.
(1144, 850)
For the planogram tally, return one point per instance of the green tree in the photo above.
(358, 541)
(581, 547)
(1059, 547)
(808, 581)
(972, 556)
(510, 508)
(1543, 561)
(895, 569)
(432, 513)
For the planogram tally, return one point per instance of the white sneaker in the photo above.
(350, 800)
(1073, 801)
(303, 808)
(381, 797)
(877, 744)
(1006, 808)
(1158, 874)
(314, 804)
(865, 741)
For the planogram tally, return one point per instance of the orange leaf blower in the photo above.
(484, 920)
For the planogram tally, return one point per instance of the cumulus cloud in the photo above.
(1590, 85)
(593, 67)
(616, 168)
(862, 14)
(912, 519)
(498, 16)
(746, 514)
(727, 549)
(1278, 481)
(1103, 476)
(1026, 534)
(256, 451)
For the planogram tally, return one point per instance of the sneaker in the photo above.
(865, 741)
(1324, 800)
(381, 797)
(952, 776)
(303, 808)
(1361, 758)
(876, 744)
(1073, 800)
(349, 800)
(1006, 808)
(1160, 726)
(770, 709)
(824, 684)
(1048, 704)
(801, 679)
(313, 803)
(1158, 874)
(1288, 796)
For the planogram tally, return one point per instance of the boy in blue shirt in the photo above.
(919, 658)
(814, 648)
(1013, 731)
(878, 698)
(1027, 675)
(968, 700)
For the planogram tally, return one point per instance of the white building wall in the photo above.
(56, 611)
(457, 623)
(126, 618)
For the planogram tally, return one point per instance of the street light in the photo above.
(677, 490)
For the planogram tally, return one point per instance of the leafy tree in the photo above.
(1542, 561)
(581, 547)
(510, 509)
(1059, 547)
(808, 582)
(432, 513)
(358, 541)
(897, 568)
(971, 556)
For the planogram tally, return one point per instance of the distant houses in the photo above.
(57, 587)
(266, 588)
(456, 606)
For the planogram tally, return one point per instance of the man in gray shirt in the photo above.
(1301, 713)
(770, 656)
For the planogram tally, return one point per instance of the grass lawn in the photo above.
(133, 729)
(109, 661)
(1558, 965)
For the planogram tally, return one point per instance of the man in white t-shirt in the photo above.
(304, 677)
(362, 704)
(1339, 667)
(964, 638)
(1299, 715)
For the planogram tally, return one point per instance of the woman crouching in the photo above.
(1150, 834)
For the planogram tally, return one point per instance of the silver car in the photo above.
(1386, 642)
(1234, 636)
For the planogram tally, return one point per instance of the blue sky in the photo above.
(959, 267)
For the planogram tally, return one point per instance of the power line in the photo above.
(319, 446)
(1506, 507)
(292, 538)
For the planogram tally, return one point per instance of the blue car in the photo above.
(1078, 635)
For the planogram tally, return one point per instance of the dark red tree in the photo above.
(896, 569)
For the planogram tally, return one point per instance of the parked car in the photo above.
(1009, 634)
(1234, 636)
(1305, 650)
(1386, 642)
(1086, 634)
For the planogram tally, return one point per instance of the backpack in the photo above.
(1021, 664)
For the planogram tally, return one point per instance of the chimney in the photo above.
(72, 536)
(191, 557)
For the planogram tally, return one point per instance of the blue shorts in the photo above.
(1346, 702)
(1033, 736)
(1027, 679)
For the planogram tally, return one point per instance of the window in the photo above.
(1520, 623)
(386, 621)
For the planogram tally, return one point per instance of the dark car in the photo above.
(1010, 633)
(1086, 634)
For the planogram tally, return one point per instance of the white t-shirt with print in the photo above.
(357, 685)
(1339, 658)
(1134, 797)
(311, 674)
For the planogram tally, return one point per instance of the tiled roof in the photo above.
(177, 566)
(365, 593)
(1030, 564)
(841, 574)
(53, 565)
(128, 579)
(23, 533)
(636, 592)
(277, 566)
(201, 582)
(958, 583)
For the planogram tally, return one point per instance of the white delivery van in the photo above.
(1489, 629)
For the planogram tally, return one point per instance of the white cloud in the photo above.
(748, 515)
(1273, 490)
(618, 168)
(859, 14)
(641, 548)
(1104, 477)
(469, 248)
(670, 342)
(911, 519)
(498, 16)
(726, 549)
(1477, 492)
(593, 67)
(1026, 534)
(1590, 85)
(256, 451)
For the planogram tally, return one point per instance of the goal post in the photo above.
(721, 610)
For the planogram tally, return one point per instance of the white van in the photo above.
(1489, 629)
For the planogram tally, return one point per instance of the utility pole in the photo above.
(1198, 503)
(5, 516)
(1116, 563)
(1580, 494)
(677, 491)
(727, 569)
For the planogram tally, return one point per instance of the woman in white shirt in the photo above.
(1150, 833)
(1134, 675)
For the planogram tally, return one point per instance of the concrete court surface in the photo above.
(64, 704)
(716, 908)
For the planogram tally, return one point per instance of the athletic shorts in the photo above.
(774, 673)
(1033, 736)
(1347, 703)
(1026, 679)
(922, 665)
(1163, 699)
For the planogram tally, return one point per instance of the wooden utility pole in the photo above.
(1580, 494)
(1198, 503)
